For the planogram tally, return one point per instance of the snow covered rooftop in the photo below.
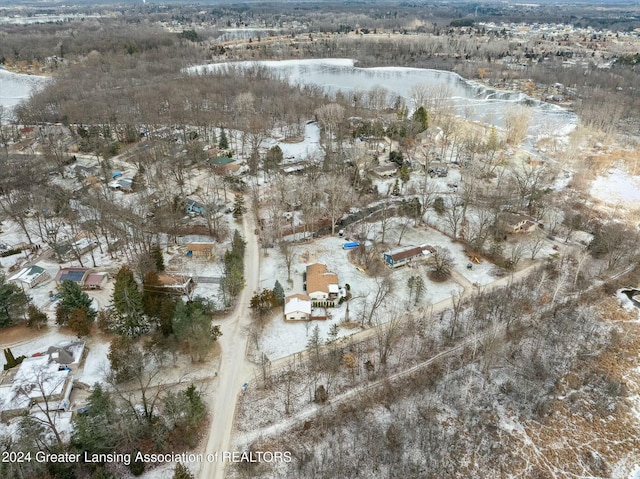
(36, 377)
(29, 275)
(297, 303)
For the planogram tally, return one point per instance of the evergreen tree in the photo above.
(419, 286)
(96, 431)
(127, 302)
(232, 280)
(493, 142)
(404, 174)
(238, 206)
(396, 188)
(13, 303)
(273, 158)
(35, 317)
(279, 292)
(80, 322)
(126, 359)
(158, 257)
(223, 143)
(314, 343)
(184, 412)
(152, 293)
(192, 326)
(238, 245)
(157, 302)
(181, 472)
(421, 117)
(72, 298)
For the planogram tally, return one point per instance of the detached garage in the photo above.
(297, 307)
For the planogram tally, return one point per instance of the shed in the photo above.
(96, 280)
(200, 249)
(297, 307)
(176, 283)
(194, 208)
(385, 171)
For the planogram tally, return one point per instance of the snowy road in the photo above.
(234, 369)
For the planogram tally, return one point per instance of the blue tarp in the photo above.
(116, 174)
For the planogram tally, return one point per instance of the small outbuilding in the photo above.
(200, 249)
(297, 307)
(96, 280)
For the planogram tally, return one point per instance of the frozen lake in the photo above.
(14, 88)
(470, 100)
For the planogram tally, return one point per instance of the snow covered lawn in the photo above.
(616, 186)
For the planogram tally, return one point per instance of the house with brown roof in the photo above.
(321, 285)
(405, 255)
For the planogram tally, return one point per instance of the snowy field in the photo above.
(617, 186)
(15, 88)
(307, 149)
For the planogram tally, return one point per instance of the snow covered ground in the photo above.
(280, 338)
(617, 186)
(49, 337)
(16, 87)
(307, 149)
(96, 365)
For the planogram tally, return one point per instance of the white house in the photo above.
(38, 379)
(31, 276)
(297, 307)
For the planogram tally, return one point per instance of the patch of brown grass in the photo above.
(628, 159)
(577, 432)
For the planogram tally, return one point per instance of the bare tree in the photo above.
(288, 254)
(453, 216)
(383, 287)
(286, 382)
(339, 195)
(441, 263)
(386, 337)
(516, 122)
(535, 244)
(38, 389)
(515, 255)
